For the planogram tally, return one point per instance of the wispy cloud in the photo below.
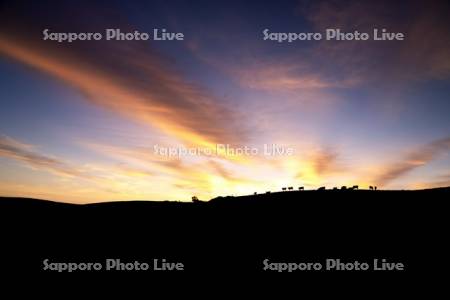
(440, 181)
(130, 78)
(325, 161)
(424, 53)
(284, 77)
(92, 180)
(414, 159)
(320, 164)
(27, 154)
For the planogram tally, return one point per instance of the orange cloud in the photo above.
(325, 161)
(25, 153)
(280, 77)
(424, 54)
(93, 182)
(133, 81)
(413, 160)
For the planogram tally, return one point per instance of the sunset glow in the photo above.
(79, 121)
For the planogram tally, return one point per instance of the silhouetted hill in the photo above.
(275, 198)
(292, 197)
(232, 234)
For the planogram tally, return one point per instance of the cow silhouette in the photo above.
(290, 188)
(355, 187)
(283, 189)
(371, 188)
(301, 188)
(322, 188)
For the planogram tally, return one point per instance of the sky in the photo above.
(93, 121)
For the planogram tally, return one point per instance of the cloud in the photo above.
(441, 181)
(438, 181)
(424, 54)
(218, 168)
(322, 65)
(325, 162)
(413, 160)
(284, 77)
(89, 182)
(130, 78)
(140, 156)
(25, 153)
(321, 166)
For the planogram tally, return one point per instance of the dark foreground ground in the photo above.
(234, 235)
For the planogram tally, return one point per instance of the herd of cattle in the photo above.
(322, 188)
